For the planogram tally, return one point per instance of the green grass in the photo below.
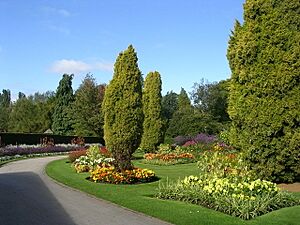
(139, 197)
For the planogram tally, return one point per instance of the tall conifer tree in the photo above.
(122, 106)
(264, 103)
(62, 122)
(152, 108)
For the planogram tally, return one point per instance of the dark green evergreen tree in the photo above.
(184, 101)
(189, 121)
(264, 96)
(5, 107)
(23, 117)
(153, 134)
(212, 98)
(86, 109)
(169, 105)
(122, 106)
(62, 122)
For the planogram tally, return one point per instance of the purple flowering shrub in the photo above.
(205, 138)
(26, 150)
(198, 139)
(181, 140)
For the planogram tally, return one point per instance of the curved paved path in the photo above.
(29, 197)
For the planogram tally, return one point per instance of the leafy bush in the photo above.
(104, 151)
(76, 154)
(92, 159)
(111, 175)
(85, 163)
(223, 161)
(181, 140)
(245, 200)
(201, 138)
(205, 138)
(226, 184)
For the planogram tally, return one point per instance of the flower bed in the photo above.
(73, 155)
(245, 200)
(226, 184)
(36, 149)
(94, 156)
(110, 175)
(169, 158)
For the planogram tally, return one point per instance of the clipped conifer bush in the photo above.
(122, 107)
(153, 134)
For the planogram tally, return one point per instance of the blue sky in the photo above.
(185, 40)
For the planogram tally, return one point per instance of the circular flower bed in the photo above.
(110, 175)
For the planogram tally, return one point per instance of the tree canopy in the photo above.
(264, 54)
(62, 121)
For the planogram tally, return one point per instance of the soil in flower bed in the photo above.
(295, 187)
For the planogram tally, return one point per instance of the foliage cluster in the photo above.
(263, 54)
(92, 158)
(245, 200)
(153, 134)
(227, 184)
(122, 107)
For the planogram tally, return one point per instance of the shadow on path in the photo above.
(25, 200)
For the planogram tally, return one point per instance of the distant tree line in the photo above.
(80, 113)
(63, 111)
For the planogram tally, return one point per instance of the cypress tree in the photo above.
(152, 108)
(264, 99)
(122, 107)
(62, 122)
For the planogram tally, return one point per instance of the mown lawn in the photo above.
(140, 197)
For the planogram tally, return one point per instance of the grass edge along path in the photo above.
(139, 197)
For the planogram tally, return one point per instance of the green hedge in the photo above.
(34, 138)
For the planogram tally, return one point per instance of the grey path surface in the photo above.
(29, 197)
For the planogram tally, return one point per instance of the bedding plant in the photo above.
(169, 155)
(226, 184)
(96, 160)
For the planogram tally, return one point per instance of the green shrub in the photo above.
(91, 159)
(263, 54)
(122, 107)
(153, 134)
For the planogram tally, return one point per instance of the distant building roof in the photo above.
(49, 131)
